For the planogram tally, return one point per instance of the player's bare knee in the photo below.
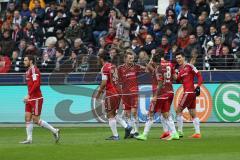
(35, 119)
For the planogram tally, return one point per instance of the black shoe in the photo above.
(131, 135)
(135, 134)
(127, 132)
(113, 138)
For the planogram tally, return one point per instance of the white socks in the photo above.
(171, 124)
(148, 126)
(135, 125)
(113, 125)
(44, 124)
(29, 129)
(196, 123)
(180, 123)
(121, 121)
(165, 126)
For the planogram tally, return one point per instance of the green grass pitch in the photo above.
(217, 143)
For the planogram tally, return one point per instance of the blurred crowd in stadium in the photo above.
(73, 32)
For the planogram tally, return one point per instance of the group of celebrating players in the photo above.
(120, 82)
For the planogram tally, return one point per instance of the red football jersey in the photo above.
(33, 78)
(163, 73)
(186, 75)
(110, 74)
(128, 77)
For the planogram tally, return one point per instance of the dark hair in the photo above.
(31, 58)
(180, 53)
(59, 50)
(158, 55)
(156, 58)
(117, 60)
(104, 55)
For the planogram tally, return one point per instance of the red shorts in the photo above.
(112, 102)
(163, 103)
(34, 106)
(130, 101)
(188, 100)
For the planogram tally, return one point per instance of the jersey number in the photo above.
(167, 74)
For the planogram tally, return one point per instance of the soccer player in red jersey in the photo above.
(128, 77)
(34, 100)
(110, 83)
(186, 75)
(162, 71)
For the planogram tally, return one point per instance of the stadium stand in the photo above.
(69, 34)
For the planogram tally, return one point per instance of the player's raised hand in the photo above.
(26, 98)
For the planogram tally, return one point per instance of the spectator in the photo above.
(226, 61)
(136, 5)
(17, 33)
(110, 36)
(32, 4)
(40, 12)
(165, 45)
(149, 44)
(16, 62)
(213, 33)
(170, 36)
(25, 12)
(17, 18)
(60, 36)
(122, 28)
(61, 44)
(201, 36)
(73, 31)
(46, 64)
(85, 32)
(79, 48)
(7, 44)
(170, 24)
(101, 26)
(187, 14)
(193, 44)
(143, 58)
(78, 8)
(132, 14)
(60, 21)
(135, 46)
(22, 48)
(236, 51)
(174, 5)
(157, 33)
(90, 21)
(231, 24)
(60, 59)
(237, 35)
(226, 35)
(183, 39)
(119, 6)
(5, 64)
(113, 52)
(50, 50)
(201, 6)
